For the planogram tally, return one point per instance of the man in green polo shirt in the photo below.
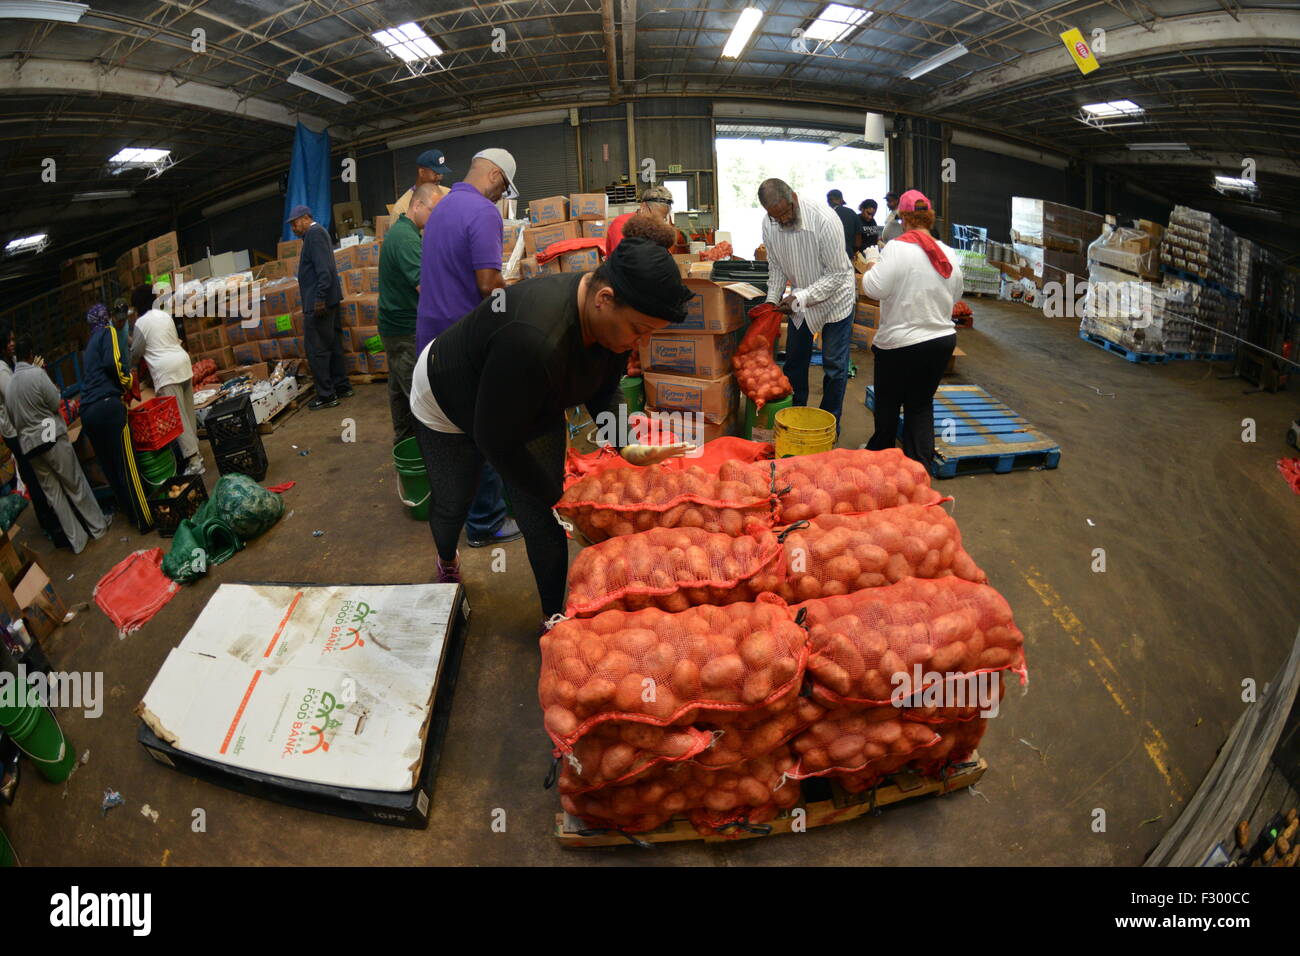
(399, 291)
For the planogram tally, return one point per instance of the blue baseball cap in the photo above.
(298, 212)
(433, 159)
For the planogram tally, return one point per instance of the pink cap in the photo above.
(909, 200)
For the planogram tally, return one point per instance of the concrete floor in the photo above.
(1135, 673)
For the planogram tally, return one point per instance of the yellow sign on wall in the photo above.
(1079, 52)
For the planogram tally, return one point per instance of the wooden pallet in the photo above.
(283, 415)
(838, 807)
(1145, 358)
(369, 378)
(986, 435)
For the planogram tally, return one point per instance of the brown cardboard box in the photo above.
(290, 267)
(510, 233)
(360, 280)
(11, 562)
(346, 258)
(712, 309)
(269, 350)
(690, 427)
(587, 206)
(866, 312)
(163, 266)
(270, 270)
(361, 336)
(537, 238)
(543, 212)
(354, 363)
(192, 327)
(249, 353)
(377, 362)
(288, 248)
(381, 226)
(715, 398)
(257, 371)
(280, 296)
(529, 267)
(292, 347)
(345, 339)
(698, 355)
(361, 309)
(33, 593)
(594, 228)
(684, 260)
(164, 245)
(583, 260)
(367, 253)
(279, 326)
(861, 336)
(235, 334)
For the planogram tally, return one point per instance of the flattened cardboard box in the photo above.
(332, 685)
(714, 398)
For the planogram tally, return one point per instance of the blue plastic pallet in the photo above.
(1147, 358)
(1201, 356)
(986, 435)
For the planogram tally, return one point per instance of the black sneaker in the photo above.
(316, 403)
(509, 531)
(345, 392)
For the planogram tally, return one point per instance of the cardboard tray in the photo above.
(409, 808)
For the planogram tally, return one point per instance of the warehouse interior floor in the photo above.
(1135, 673)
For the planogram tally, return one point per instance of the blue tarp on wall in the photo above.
(309, 177)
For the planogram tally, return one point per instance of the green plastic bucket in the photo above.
(761, 426)
(156, 467)
(412, 479)
(633, 393)
(38, 735)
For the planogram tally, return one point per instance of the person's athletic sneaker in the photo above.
(509, 531)
(318, 402)
(449, 573)
(345, 392)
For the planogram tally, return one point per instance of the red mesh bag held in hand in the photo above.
(622, 501)
(857, 740)
(673, 569)
(845, 481)
(868, 647)
(835, 554)
(659, 668)
(757, 373)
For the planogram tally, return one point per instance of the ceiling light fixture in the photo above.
(741, 32)
(1160, 147)
(408, 43)
(835, 22)
(138, 157)
(1113, 108)
(37, 242)
(303, 81)
(1235, 184)
(53, 10)
(936, 61)
(96, 195)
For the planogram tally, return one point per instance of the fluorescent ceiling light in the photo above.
(835, 22)
(1234, 184)
(408, 43)
(128, 158)
(98, 194)
(25, 243)
(936, 61)
(317, 87)
(1161, 147)
(1113, 108)
(741, 32)
(54, 10)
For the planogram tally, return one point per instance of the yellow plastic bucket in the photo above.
(801, 430)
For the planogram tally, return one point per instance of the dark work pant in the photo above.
(401, 353)
(836, 343)
(455, 464)
(323, 332)
(45, 515)
(907, 378)
(110, 436)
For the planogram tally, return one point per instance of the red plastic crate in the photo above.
(155, 423)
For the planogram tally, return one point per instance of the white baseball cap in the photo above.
(504, 162)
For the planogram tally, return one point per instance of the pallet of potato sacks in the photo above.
(833, 804)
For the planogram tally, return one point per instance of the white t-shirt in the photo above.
(915, 301)
(169, 363)
(423, 405)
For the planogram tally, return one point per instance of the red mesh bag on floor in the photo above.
(711, 457)
(745, 735)
(617, 751)
(673, 569)
(838, 554)
(942, 626)
(859, 740)
(659, 668)
(845, 481)
(622, 501)
(956, 743)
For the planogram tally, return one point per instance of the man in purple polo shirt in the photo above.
(460, 266)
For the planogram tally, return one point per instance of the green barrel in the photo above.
(37, 734)
(412, 478)
(633, 393)
(761, 426)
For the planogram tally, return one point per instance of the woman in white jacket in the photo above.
(154, 339)
(916, 279)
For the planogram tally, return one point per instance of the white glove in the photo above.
(653, 454)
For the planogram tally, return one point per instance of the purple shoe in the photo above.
(449, 573)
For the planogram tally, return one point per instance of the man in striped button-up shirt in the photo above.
(805, 247)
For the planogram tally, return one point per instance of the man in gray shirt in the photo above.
(32, 402)
(45, 515)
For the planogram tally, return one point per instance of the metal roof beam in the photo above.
(1272, 165)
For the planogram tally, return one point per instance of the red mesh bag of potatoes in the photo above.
(859, 739)
(673, 569)
(617, 751)
(622, 501)
(846, 481)
(752, 792)
(659, 668)
(956, 743)
(868, 647)
(835, 554)
(744, 735)
(757, 374)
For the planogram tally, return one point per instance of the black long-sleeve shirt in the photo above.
(505, 378)
(318, 277)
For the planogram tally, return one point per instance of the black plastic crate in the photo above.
(231, 422)
(169, 510)
(249, 459)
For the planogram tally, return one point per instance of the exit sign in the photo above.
(674, 167)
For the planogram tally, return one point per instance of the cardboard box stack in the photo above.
(866, 321)
(1207, 272)
(555, 219)
(1052, 238)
